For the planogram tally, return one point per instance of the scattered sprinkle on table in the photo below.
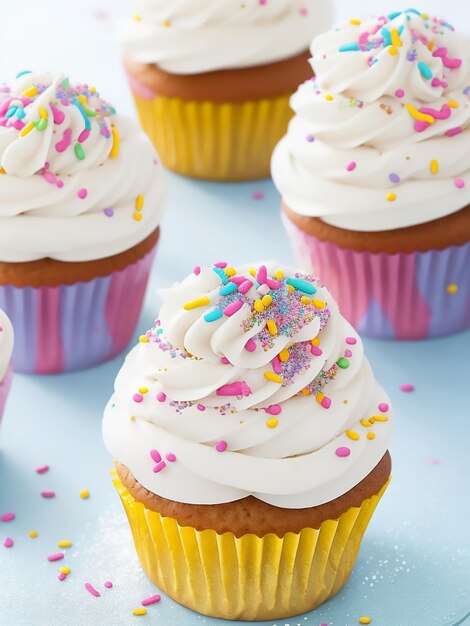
(92, 590)
(42, 470)
(7, 517)
(108, 584)
(65, 543)
(8, 542)
(58, 556)
(139, 612)
(258, 195)
(84, 494)
(33, 534)
(407, 388)
(48, 494)
(151, 600)
(365, 620)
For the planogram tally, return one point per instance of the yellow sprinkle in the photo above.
(271, 324)
(396, 41)
(364, 620)
(252, 271)
(355, 22)
(345, 401)
(137, 18)
(84, 494)
(143, 389)
(64, 544)
(417, 115)
(453, 104)
(143, 339)
(425, 16)
(305, 300)
(65, 570)
(139, 612)
(33, 534)
(370, 435)
(139, 202)
(82, 99)
(319, 397)
(2, 171)
(329, 97)
(391, 196)
(434, 166)
(378, 418)
(132, 418)
(259, 306)
(315, 341)
(137, 216)
(452, 289)
(194, 304)
(274, 378)
(167, 23)
(352, 435)
(266, 300)
(30, 92)
(230, 271)
(305, 392)
(431, 44)
(284, 355)
(318, 304)
(116, 143)
(366, 423)
(279, 275)
(392, 50)
(272, 422)
(290, 289)
(27, 129)
(92, 89)
(43, 113)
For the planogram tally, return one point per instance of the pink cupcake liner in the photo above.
(5, 390)
(392, 296)
(70, 327)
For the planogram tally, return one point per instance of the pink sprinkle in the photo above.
(197, 270)
(238, 280)
(454, 131)
(239, 388)
(347, 353)
(316, 351)
(65, 142)
(399, 93)
(262, 275)
(171, 457)
(276, 363)
(258, 195)
(60, 184)
(57, 115)
(224, 360)
(61, 576)
(273, 284)
(58, 556)
(108, 584)
(48, 494)
(303, 11)
(137, 397)
(221, 264)
(201, 407)
(82, 193)
(151, 600)
(342, 451)
(245, 286)
(156, 456)
(434, 462)
(406, 388)
(8, 542)
(233, 307)
(92, 590)
(250, 345)
(83, 136)
(7, 517)
(383, 407)
(161, 396)
(459, 183)
(158, 467)
(42, 470)
(326, 402)
(351, 166)
(273, 409)
(351, 341)
(221, 446)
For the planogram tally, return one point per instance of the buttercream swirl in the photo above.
(72, 172)
(6, 344)
(380, 137)
(250, 383)
(191, 37)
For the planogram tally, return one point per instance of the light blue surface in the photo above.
(414, 566)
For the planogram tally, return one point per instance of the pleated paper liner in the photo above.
(69, 327)
(208, 140)
(5, 390)
(247, 578)
(391, 296)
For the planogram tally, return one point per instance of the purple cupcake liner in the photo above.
(5, 390)
(392, 296)
(70, 327)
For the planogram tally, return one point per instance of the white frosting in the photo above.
(191, 37)
(6, 344)
(59, 211)
(291, 465)
(354, 141)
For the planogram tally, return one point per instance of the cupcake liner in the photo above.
(217, 141)
(413, 295)
(251, 577)
(69, 327)
(5, 390)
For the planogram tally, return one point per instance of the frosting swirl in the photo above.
(181, 36)
(380, 137)
(6, 344)
(250, 383)
(73, 171)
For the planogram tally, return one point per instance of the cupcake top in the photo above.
(6, 344)
(79, 181)
(250, 383)
(381, 135)
(191, 37)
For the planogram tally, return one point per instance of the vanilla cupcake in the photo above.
(6, 349)
(81, 198)
(211, 80)
(251, 443)
(375, 173)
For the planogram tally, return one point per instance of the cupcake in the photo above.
(251, 443)
(80, 205)
(374, 174)
(6, 348)
(211, 80)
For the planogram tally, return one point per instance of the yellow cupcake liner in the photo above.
(247, 578)
(216, 141)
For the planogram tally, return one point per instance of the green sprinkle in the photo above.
(41, 125)
(343, 363)
(66, 82)
(79, 152)
(302, 285)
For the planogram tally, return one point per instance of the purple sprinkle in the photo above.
(394, 178)
(109, 212)
(310, 138)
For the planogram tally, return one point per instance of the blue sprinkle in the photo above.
(387, 36)
(221, 274)
(228, 289)
(348, 47)
(302, 285)
(11, 112)
(23, 73)
(395, 14)
(84, 115)
(425, 70)
(400, 30)
(214, 315)
(415, 11)
(20, 113)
